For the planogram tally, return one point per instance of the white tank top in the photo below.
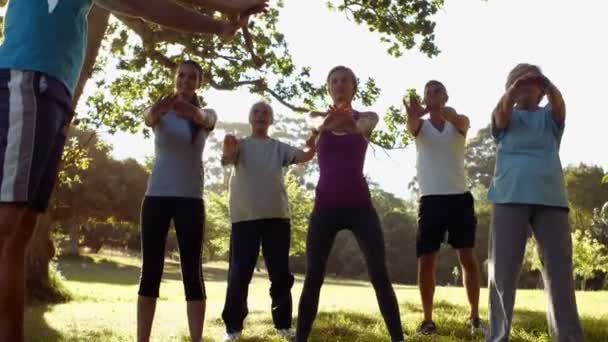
(440, 160)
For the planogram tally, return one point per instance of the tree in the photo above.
(480, 158)
(585, 188)
(589, 256)
(145, 56)
(300, 206)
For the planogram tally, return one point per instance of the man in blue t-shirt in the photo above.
(40, 62)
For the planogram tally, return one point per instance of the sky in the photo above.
(480, 41)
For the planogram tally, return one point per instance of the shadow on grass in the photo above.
(90, 270)
(528, 325)
(37, 328)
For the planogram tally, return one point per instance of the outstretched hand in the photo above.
(414, 108)
(311, 142)
(164, 104)
(184, 109)
(231, 145)
(531, 77)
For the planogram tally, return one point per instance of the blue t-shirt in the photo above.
(528, 168)
(48, 36)
(178, 164)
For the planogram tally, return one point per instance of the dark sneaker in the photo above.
(427, 328)
(476, 326)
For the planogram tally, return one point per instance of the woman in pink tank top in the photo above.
(343, 201)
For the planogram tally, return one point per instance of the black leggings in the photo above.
(188, 216)
(324, 226)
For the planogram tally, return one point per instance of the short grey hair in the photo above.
(265, 104)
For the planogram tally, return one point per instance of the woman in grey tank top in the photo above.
(175, 193)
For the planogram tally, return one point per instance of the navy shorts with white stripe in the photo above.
(35, 111)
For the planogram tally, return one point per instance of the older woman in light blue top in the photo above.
(528, 191)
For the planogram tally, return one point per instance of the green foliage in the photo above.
(51, 290)
(74, 160)
(217, 225)
(589, 256)
(480, 158)
(110, 233)
(146, 55)
(300, 205)
(399, 23)
(585, 188)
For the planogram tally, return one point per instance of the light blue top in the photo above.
(178, 164)
(528, 168)
(48, 36)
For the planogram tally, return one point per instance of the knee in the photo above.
(149, 282)
(426, 265)
(195, 290)
(314, 279)
(379, 277)
(468, 263)
(281, 285)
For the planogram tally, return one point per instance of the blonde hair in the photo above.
(265, 104)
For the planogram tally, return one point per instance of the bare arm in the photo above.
(459, 121)
(367, 122)
(153, 113)
(414, 113)
(151, 117)
(504, 109)
(306, 154)
(206, 118)
(556, 101)
(169, 14)
(234, 6)
(230, 153)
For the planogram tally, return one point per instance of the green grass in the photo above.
(105, 290)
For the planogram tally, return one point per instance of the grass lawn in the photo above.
(105, 290)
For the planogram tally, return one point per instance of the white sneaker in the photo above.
(229, 337)
(289, 334)
(477, 327)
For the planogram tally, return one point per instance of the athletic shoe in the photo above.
(427, 328)
(476, 326)
(289, 334)
(231, 337)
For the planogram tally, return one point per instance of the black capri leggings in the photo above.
(324, 225)
(188, 216)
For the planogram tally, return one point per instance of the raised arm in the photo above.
(246, 7)
(230, 152)
(367, 122)
(414, 113)
(169, 14)
(504, 109)
(459, 121)
(306, 154)
(153, 113)
(556, 101)
(205, 118)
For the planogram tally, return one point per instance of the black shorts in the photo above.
(35, 112)
(441, 214)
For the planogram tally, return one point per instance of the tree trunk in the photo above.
(72, 248)
(41, 286)
(40, 252)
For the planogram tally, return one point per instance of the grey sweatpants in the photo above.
(508, 234)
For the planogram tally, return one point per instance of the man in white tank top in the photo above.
(446, 206)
